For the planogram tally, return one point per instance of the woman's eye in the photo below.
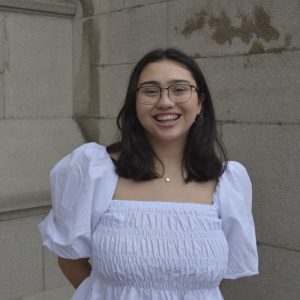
(150, 92)
(179, 89)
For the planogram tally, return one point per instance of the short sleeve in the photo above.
(234, 199)
(82, 186)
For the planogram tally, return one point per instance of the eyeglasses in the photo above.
(177, 93)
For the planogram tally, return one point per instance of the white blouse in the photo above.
(143, 249)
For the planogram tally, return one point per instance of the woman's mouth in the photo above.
(162, 118)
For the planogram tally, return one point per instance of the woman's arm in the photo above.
(75, 270)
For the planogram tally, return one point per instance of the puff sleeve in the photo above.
(82, 185)
(234, 200)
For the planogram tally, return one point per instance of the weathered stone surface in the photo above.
(105, 6)
(126, 36)
(130, 3)
(2, 42)
(270, 153)
(113, 86)
(108, 131)
(63, 293)
(256, 88)
(60, 7)
(30, 150)
(101, 130)
(278, 278)
(53, 276)
(2, 63)
(214, 28)
(81, 67)
(20, 258)
(2, 100)
(94, 7)
(38, 81)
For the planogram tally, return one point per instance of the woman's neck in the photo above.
(170, 154)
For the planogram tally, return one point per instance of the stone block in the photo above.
(113, 86)
(81, 66)
(53, 276)
(20, 258)
(278, 278)
(38, 81)
(2, 99)
(271, 155)
(2, 42)
(108, 132)
(219, 28)
(131, 3)
(256, 88)
(105, 6)
(124, 37)
(100, 130)
(59, 7)
(63, 293)
(30, 148)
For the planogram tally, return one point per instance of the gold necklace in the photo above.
(168, 179)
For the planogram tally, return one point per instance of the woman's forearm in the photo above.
(75, 270)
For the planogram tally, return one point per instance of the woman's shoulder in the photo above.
(85, 158)
(233, 183)
(235, 166)
(90, 150)
(234, 171)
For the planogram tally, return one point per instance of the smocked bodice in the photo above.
(168, 247)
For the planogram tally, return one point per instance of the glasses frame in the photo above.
(168, 90)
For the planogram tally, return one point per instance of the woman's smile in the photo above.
(166, 120)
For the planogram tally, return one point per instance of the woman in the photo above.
(157, 215)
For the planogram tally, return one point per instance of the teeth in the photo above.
(166, 117)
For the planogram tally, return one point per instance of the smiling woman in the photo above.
(167, 116)
(160, 213)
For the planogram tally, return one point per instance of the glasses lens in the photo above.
(149, 94)
(180, 92)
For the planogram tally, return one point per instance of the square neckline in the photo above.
(162, 202)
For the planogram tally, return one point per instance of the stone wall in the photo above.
(36, 129)
(249, 52)
(63, 75)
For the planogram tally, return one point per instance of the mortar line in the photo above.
(113, 64)
(122, 9)
(278, 247)
(279, 123)
(209, 57)
(35, 12)
(246, 54)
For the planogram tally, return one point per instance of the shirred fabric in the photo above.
(143, 249)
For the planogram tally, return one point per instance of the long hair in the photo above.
(204, 152)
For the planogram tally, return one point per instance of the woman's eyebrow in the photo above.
(173, 81)
(152, 82)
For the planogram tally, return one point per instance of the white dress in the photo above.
(143, 250)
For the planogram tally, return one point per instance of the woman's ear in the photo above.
(202, 98)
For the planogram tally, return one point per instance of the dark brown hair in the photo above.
(204, 151)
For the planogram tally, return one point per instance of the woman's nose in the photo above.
(164, 100)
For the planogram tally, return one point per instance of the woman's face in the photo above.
(166, 121)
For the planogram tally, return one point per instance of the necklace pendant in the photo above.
(167, 179)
